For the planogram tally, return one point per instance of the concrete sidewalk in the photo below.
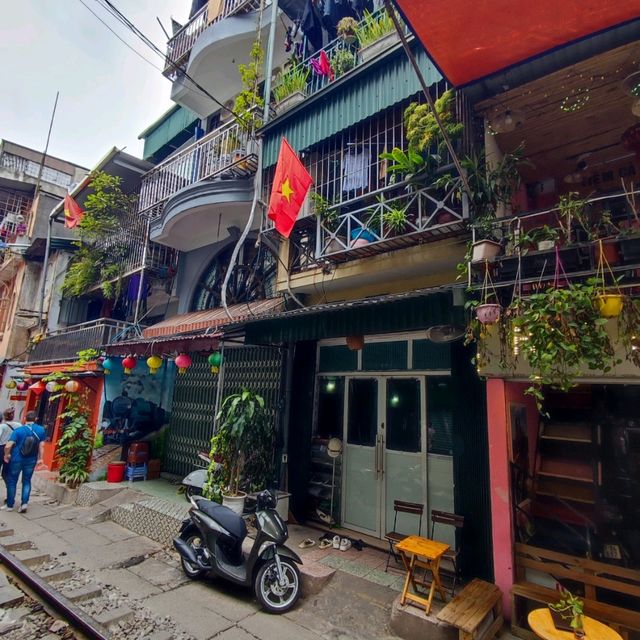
(356, 602)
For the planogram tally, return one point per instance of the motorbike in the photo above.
(194, 482)
(210, 542)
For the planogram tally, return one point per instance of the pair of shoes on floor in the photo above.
(23, 508)
(325, 517)
(306, 543)
(325, 543)
(343, 544)
(4, 507)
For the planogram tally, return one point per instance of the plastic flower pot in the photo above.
(546, 245)
(610, 305)
(610, 253)
(484, 250)
(488, 313)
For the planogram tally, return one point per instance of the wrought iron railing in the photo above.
(426, 214)
(227, 148)
(180, 45)
(343, 56)
(32, 169)
(15, 213)
(64, 344)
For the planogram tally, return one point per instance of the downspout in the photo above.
(45, 269)
(286, 417)
(142, 270)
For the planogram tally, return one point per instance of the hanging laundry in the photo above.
(321, 65)
(311, 26)
(355, 169)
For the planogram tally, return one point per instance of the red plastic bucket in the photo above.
(115, 471)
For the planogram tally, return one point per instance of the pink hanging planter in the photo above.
(488, 313)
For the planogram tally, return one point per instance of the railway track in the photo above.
(31, 607)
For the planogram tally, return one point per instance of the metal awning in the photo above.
(469, 41)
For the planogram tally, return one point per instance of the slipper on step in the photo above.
(325, 544)
(307, 542)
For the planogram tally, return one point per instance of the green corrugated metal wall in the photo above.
(361, 95)
(256, 368)
(176, 123)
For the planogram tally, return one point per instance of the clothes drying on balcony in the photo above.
(355, 169)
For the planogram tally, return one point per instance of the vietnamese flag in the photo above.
(290, 185)
(72, 212)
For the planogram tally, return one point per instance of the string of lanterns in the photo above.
(183, 361)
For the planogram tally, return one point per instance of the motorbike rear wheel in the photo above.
(272, 596)
(191, 571)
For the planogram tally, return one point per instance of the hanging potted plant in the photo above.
(569, 610)
(375, 32)
(290, 88)
(609, 303)
(488, 311)
(241, 450)
(347, 29)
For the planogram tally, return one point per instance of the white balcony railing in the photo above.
(228, 148)
(179, 47)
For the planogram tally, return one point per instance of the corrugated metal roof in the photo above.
(175, 122)
(355, 97)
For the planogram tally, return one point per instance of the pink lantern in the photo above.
(38, 387)
(72, 386)
(129, 364)
(183, 362)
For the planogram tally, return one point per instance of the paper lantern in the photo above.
(72, 386)
(154, 363)
(11, 384)
(23, 386)
(215, 360)
(51, 386)
(183, 362)
(129, 364)
(107, 365)
(38, 387)
(355, 343)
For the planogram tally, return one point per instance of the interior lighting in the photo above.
(575, 101)
(331, 386)
(395, 400)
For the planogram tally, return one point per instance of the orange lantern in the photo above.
(72, 386)
(355, 343)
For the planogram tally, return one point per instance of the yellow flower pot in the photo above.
(610, 305)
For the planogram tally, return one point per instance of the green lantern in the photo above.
(215, 360)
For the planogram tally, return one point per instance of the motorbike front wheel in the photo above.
(273, 596)
(192, 572)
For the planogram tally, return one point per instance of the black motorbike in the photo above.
(210, 541)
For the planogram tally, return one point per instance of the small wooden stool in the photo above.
(469, 611)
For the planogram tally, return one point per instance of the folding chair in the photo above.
(393, 537)
(451, 520)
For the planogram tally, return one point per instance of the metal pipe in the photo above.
(269, 61)
(45, 270)
(46, 148)
(425, 89)
(142, 270)
(286, 414)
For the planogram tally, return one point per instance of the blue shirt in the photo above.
(19, 435)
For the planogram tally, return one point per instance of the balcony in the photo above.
(179, 47)
(15, 212)
(64, 344)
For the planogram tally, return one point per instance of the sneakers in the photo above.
(4, 507)
(336, 542)
(345, 544)
(23, 508)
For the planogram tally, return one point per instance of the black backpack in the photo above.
(29, 447)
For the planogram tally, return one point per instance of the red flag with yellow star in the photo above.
(290, 185)
(72, 212)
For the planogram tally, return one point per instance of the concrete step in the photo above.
(15, 543)
(32, 557)
(9, 595)
(5, 532)
(160, 635)
(114, 616)
(313, 577)
(57, 574)
(88, 592)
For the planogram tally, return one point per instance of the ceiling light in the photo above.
(505, 121)
(631, 84)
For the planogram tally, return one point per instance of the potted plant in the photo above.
(346, 29)
(395, 220)
(241, 450)
(342, 60)
(375, 32)
(569, 610)
(544, 238)
(328, 217)
(290, 88)
(609, 303)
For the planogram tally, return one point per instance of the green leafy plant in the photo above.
(416, 168)
(373, 26)
(422, 130)
(291, 81)
(572, 211)
(76, 443)
(524, 241)
(395, 219)
(83, 272)
(241, 448)
(347, 27)
(570, 608)
(249, 103)
(322, 209)
(342, 60)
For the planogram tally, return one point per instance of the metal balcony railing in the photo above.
(364, 229)
(228, 148)
(64, 344)
(15, 213)
(179, 47)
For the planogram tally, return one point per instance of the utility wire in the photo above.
(114, 11)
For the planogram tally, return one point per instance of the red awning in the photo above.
(471, 40)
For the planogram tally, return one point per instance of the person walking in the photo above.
(23, 453)
(7, 427)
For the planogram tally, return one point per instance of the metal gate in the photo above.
(259, 369)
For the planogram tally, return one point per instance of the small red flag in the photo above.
(72, 212)
(290, 185)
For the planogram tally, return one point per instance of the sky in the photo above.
(108, 95)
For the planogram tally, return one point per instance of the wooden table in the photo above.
(421, 553)
(541, 623)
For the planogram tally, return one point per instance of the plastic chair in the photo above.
(393, 537)
(451, 520)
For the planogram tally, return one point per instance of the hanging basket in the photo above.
(355, 343)
(488, 313)
(610, 304)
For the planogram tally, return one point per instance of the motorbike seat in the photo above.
(226, 518)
